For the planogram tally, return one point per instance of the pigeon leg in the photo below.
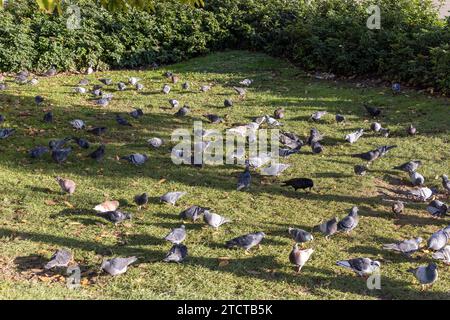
(298, 269)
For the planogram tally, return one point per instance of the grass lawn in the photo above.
(36, 219)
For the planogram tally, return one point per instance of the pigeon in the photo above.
(103, 102)
(421, 194)
(166, 89)
(38, 100)
(21, 79)
(133, 80)
(136, 158)
(121, 86)
(98, 130)
(83, 82)
(407, 247)
(350, 222)
(48, 117)
(155, 142)
(61, 258)
(437, 208)
(205, 88)
(106, 81)
(410, 166)
(89, 70)
(139, 86)
(78, 124)
(340, 118)
(67, 185)
(51, 72)
(58, 144)
(177, 235)
(2, 118)
(360, 170)
(362, 266)
(416, 179)
(374, 154)
(246, 82)
(427, 275)
(373, 111)
(316, 116)
(272, 122)
(328, 228)
(240, 91)
(279, 113)
(115, 216)
(353, 137)
(446, 182)
(398, 207)
(396, 88)
(168, 74)
(33, 81)
(213, 118)
(61, 155)
(411, 130)
(299, 257)
(38, 152)
(117, 266)
(244, 179)
(174, 103)
(375, 126)
(439, 239)
(82, 143)
(136, 113)
(443, 254)
(299, 235)
(228, 103)
(185, 86)
(172, 197)
(80, 90)
(299, 183)
(141, 199)
(284, 152)
(109, 205)
(291, 140)
(193, 213)
(98, 154)
(275, 169)
(182, 111)
(6, 132)
(177, 253)
(247, 241)
(214, 220)
(97, 92)
(122, 121)
(314, 136)
(175, 79)
(385, 132)
(259, 161)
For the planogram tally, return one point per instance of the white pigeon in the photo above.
(155, 142)
(166, 89)
(260, 160)
(275, 169)
(89, 70)
(422, 194)
(77, 124)
(117, 266)
(214, 220)
(133, 80)
(33, 81)
(80, 90)
(354, 136)
(246, 82)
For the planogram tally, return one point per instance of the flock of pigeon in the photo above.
(363, 266)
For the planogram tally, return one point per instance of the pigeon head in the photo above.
(432, 266)
(376, 264)
(261, 234)
(354, 211)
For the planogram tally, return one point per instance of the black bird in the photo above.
(374, 154)
(115, 216)
(98, 130)
(38, 152)
(60, 155)
(58, 144)
(81, 142)
(136, 113)
(299, 183)
(213, 118)
(122, 121)
(141, 199)
(48, 117)
(373, 111)
(38, 99)
(99, 153)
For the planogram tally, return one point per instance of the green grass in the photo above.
(31, 227)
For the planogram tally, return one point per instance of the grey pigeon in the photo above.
(139, 86)
(416, 179)
(122, 121)
(398, 207)
(141, 199)
(136, 113)
(38, 152)
(360, 170)
(67, 185)
(373, 111)
(427, 275)
(354, 136)
(174, 103)
(314, 136)
(439, 239)
(213, 118)
(316, 116)
(375, 126)
(115, 216)
(407, 247)
(350, 222)
(182, 111)
(421, 194)
(362, 266)
(51, 72)
(117, 266)
(244, 179)
(58, 144)
(316, 148)
(185, 86)
(61, 258)
(300, 235)
(443, 254)
(228, 103)
(340, 118)
(83, 82)
(285, 152)
(48, 117)
(328, 228)
(437, 208)
(61, 155)
(137, 159)
(299, 257)
(214, 220)
(6, 132)
(106, 81)
(82, 143)
(103, 102)
(374, 154)
(446, 182)
(177, 235)
(166, 89)
(2, 118)
(98, 153)
(172, 197)
(410, 166)
(247, 241)
(193, 213)
(241, 91)
(177, 253)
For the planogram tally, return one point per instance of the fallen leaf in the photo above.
(50, 202)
